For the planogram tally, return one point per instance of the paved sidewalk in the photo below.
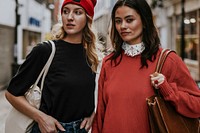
(4, 109)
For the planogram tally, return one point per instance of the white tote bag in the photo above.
(16, 121)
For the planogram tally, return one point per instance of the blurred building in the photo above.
(102, 19)
(23, 24)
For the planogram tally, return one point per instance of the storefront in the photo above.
(6, 53)
(191, 50)
(22, 26)
(35, 24)
(7, 23)
(30, 39)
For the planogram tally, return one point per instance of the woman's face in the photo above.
(74, 19)
(128, 24)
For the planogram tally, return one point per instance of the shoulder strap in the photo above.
(162, 58)
(45, 69)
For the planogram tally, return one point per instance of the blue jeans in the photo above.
(71, 127)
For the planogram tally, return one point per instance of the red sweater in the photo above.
(122, 93)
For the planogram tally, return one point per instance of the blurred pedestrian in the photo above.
(127, 74)
(68, 95)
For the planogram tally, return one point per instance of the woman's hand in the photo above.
(87, 122)
(46, 123)
(157, 79)
(49, 124)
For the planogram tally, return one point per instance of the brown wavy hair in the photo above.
(89, 41)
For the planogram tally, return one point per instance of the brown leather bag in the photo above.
(163, 117)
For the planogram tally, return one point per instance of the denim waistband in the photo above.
(73, 123)
(73, 127)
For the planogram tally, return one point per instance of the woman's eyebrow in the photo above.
(74, 8)
(124, 17)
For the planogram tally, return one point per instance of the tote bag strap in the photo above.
(45, 69)
(162, 58)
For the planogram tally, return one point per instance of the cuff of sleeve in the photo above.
(165, 89)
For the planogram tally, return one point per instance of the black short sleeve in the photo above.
(30, 69)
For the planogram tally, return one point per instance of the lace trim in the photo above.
(133, 50)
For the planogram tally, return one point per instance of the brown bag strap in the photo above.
(162, 58)
(163, 55)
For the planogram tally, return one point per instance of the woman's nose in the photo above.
(123, 25)
(70, 16)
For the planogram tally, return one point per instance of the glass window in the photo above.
(190, 22)
(191, 39)
(30, 39)
(191, 48)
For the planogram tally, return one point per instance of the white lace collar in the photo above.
(133, 50)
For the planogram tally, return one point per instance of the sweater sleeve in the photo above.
(179, 88)
(29, 70)
(100, 111)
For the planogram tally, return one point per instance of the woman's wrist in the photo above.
(38, 116)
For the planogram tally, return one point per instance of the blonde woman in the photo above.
(68, 96)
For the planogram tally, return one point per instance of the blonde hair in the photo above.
(89, 41)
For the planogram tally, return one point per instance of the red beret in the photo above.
(88, 5)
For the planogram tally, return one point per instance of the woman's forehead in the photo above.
(72, 6)
(125, 10)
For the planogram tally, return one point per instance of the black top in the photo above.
(68, 92)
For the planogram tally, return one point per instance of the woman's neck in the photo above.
(73, 39)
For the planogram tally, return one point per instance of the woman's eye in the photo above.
(78, 12)
(117, 21)
(65, 11)
(129, 20)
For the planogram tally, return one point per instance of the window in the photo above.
(191, 38)
(30, 39)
